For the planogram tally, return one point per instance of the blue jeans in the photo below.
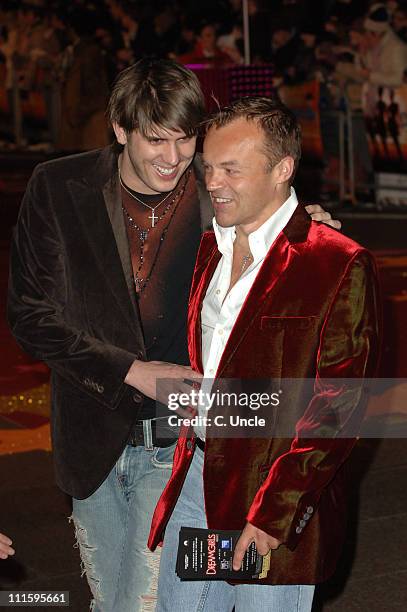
(112, 527)
(216, 595)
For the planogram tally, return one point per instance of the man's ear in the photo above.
(284, 169)
(121, 134)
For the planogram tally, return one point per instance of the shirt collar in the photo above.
(260, 240)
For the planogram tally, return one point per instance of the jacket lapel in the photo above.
(272, 273)
(207, 260)
(96, 199)
(112, 196)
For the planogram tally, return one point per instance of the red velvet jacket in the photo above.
(312, 312)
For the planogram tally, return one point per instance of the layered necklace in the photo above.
(143, 232)
(153, 217)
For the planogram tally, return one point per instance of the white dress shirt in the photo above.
(220, 309)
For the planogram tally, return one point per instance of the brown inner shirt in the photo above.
(169, 256)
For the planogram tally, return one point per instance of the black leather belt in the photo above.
(137, 436)
(200, 444)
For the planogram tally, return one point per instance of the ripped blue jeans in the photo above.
(112, 527)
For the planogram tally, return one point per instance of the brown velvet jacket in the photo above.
(72, 304)
(312, 313)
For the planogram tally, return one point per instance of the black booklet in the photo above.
(205, 554)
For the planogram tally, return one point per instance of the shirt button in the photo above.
(217, 291)
(211, 371)
(220, 332)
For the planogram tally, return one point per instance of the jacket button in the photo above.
(137, 398)
(302, 523)
(189, 445)
(306, 516)
(298, 529)
(310, 510)
(139, 354)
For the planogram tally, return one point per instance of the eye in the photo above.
(231, 171)
(155, 140)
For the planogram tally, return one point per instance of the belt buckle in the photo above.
(138, 437)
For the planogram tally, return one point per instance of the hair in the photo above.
(157, 93)
(282, 134)
(199, 27)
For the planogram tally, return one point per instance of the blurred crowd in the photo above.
(71, 52)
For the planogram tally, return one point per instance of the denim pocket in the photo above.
(163, 456)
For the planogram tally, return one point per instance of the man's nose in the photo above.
(171, 154)
(213, 180)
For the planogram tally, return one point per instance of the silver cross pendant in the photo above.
(153, 218)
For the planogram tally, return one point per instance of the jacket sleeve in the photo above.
(37, 298)
(325, 434)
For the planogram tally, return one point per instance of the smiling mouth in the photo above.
(220, 202)
(166, 172)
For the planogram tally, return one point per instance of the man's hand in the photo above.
(144, 376)
(319, 214)
(264, 542)
(5, 547)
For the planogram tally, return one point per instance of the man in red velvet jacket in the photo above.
(274, 296)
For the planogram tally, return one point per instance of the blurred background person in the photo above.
(158, 33)
(399, 23)
(383, 65)
(45, 45)
(85, 89)
(185, 42)
(285, 44)
(386, 55)
(206, 50)
(349, 74)
(231, 43)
